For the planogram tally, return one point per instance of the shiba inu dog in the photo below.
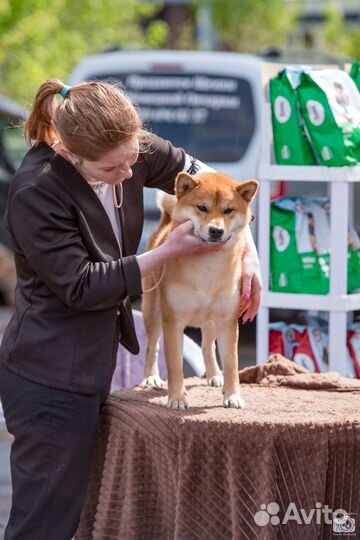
(199, 290)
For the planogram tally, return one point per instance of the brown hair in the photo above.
(93, 119)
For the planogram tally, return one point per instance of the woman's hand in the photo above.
(251, 282)
(181, 241)
(250, 290)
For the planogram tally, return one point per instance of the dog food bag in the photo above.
(330, 105)
(291, 145)
(300, 247)
(353, 261)
(277, 332)
(319, 329)
(355, 73)
(292, 338)
(312, 349)
(307, 345)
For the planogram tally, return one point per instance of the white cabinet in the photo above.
(337, 303)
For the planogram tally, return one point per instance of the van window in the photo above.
(212, 117)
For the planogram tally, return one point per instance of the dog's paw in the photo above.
(235, 401)
(153, 380)
(217, 380)
(180, 403)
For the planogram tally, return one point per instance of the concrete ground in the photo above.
(246, 358)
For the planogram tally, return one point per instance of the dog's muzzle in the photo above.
(215, 234)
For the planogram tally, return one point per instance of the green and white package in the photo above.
(291, 145)
(330, 105)
(355, 73)
(353, 262)
(300, 247)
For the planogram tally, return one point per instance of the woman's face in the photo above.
(114, 167)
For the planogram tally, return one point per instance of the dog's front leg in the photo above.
(152, 324)
(227, 341)
(208, 338)
(173, 345)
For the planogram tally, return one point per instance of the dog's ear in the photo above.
(184, 184)
(247, 190)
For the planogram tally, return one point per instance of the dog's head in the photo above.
(218, 206)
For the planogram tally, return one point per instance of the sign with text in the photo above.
(211, 116)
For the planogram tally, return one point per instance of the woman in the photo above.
(75, 214)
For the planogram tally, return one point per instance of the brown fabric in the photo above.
(279, 371)
(202, 474)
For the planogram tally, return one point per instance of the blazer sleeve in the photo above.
(164, 161)
(45, 233)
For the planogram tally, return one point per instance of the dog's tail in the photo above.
(166, 203)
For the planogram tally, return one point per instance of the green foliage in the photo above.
(341, 38)
(42, 39)
(249, 25)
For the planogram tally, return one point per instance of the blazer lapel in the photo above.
(87, 200)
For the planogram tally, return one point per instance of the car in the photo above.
(12, 150)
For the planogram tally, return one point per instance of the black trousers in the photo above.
(54, 434)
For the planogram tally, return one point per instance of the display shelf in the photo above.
(309, 173)
(337, 303)
(317, 302)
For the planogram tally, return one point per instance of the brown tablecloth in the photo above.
(209, 473)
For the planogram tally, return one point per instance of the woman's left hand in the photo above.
(251, 287)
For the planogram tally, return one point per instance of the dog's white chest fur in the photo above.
(203, 288)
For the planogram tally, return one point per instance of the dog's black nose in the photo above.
(215, 233)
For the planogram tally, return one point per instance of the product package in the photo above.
(308, 345)
(330, 105)
(276, 338)
(312, 350)
(355, 73)
(291, 146)
(300, 247)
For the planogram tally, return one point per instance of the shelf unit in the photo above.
(337, 303)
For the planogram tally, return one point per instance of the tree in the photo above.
(339, 37)
(249, 25)
(42, 39)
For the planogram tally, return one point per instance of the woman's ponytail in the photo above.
(39, 127)
(91, 119)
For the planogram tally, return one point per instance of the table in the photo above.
(212, 473)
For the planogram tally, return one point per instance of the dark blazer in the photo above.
(72, 298)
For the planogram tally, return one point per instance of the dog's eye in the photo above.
(228, 211)
(202, 209)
